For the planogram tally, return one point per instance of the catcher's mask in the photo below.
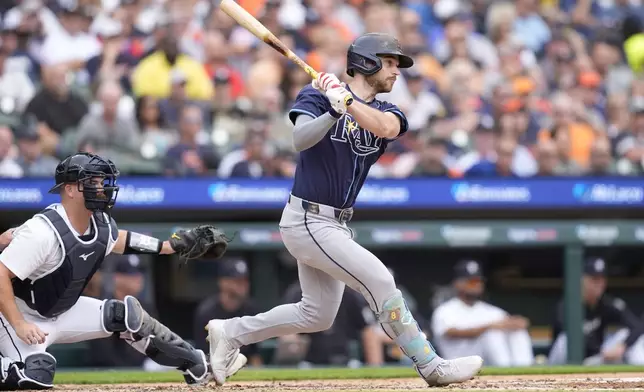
(83, 169)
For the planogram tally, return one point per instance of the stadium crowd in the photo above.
(500, 88)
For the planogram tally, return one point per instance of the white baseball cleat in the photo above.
(225, 360)
(453, 371)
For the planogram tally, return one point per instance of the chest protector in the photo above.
(56, 292)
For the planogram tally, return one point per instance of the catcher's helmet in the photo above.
(363, 54)
(81, 168)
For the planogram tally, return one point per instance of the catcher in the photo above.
(50, 259)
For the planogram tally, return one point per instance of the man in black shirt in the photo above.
(600, 312)
(231, 300)
(355, 322)
(56, 104)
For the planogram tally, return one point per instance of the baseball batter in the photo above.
(47, 265)
(337, 146)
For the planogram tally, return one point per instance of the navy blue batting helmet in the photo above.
(364, 53)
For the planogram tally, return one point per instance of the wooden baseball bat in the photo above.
(250, 23)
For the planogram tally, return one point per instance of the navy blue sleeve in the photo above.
(480, 169)
(93, 65)
(309, 101)
(404, 125)
(240, 170)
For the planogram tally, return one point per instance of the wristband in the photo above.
(334, 114)
(136, 244)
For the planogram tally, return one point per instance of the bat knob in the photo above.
(348, 101)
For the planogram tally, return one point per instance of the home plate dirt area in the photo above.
(558, 382)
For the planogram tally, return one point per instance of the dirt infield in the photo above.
(572, 382)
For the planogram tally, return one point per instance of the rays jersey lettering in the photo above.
(362, 141)
(333, 171)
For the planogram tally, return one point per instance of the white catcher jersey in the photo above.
(35, 250)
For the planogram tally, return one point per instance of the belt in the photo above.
(341, 215)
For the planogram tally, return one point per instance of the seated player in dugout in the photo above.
(467, 325)
(355, 322)
(600, 311)
(232, 299)
(48, 263)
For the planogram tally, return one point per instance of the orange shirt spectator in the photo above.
(581, 136)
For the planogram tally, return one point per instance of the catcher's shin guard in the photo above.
(163, 346)
(36, 372)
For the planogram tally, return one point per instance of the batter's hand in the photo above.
(338, 97)
(30, 333)
(325, 81)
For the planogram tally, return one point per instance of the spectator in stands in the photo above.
(9, 168)
(547, 159)
(569, 123)
(232, 299)
(217, 62)
(108, 134)
(16, 89)
(56, 106)
(192, 155)
(355, 322)
(601, 311)
(467, 325)
(432, 159)
(255, 158)
(119, 275)
(246, 161)
(282, 165)
(483, 140)
(629, 145)
(459, 41)
(156, 140)
(70, 46)
(21, 29)
(405, 159)
(31, 158)
(21, 12)
(225, 97)
(501, 166)
(558, 67)
(422, 105)
(529, 26)
(601, 162)
(171, 107)
(153, 74)
(115, 61)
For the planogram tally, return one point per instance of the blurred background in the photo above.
(511, 213)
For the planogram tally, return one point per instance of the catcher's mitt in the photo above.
(205, 241)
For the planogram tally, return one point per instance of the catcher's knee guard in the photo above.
(164, 346)
(119, 316)
(396, 318)
(36, 372)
